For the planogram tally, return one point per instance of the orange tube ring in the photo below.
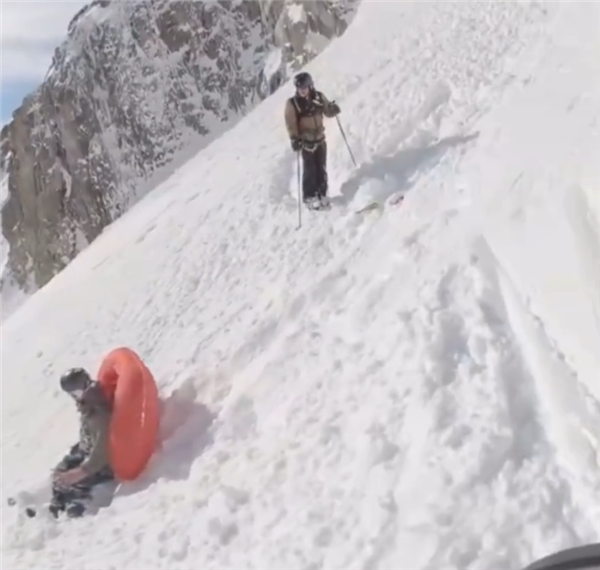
(131, 388)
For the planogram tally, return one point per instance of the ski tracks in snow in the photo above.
(419, 418)
(459, 437)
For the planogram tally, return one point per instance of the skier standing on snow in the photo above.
(87, 463)
(304, 114)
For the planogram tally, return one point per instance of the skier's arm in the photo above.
(98, 458)
(291, 123)
(330, 108)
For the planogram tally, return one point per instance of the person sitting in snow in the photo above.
(87, 463)
(304, 114)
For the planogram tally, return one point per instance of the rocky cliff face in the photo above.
(133, 84)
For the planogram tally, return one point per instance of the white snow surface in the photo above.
(414, 387)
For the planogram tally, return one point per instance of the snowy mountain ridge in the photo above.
(133, 86)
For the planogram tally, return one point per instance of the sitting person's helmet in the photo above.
(75, 381)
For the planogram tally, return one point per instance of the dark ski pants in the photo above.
(74, 499)
(314, 171)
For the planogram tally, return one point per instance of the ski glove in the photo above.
(334, 108)
(296, 144)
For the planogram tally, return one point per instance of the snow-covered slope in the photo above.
(416, 387)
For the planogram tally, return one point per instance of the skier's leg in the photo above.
(321, 169)
(78, 497)
(61, 492)
(309, 176)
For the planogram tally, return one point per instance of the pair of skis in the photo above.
(394, 200)
(371, 206)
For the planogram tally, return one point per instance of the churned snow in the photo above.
(413, 387)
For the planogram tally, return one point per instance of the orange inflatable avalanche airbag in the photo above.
(134, 425)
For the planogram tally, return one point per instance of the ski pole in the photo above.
(345, 140)
(299, 192)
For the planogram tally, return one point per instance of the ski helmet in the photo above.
(303, 80)
(75, 381)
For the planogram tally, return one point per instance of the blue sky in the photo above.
(30, 31)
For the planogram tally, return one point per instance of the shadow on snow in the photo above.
(400, 167)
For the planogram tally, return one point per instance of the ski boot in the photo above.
(313, 203)
(325, 202)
